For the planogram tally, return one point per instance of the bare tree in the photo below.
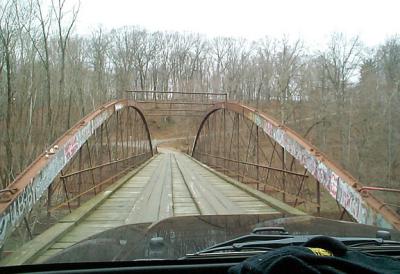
(264, 66)
(64, 27)
(40, 41)
(287, 64)
(389, 56)
(8, 31)
(341, 62)
(123, 50)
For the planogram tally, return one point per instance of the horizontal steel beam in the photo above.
(167, 114)
(178, 92)
(114, 177)
(256, 165)
(164, 102)
(100, 166)
(174, 109)
(270, 187)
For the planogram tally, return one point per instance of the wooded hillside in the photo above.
(344, 98)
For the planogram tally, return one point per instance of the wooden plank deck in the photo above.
(171, 184)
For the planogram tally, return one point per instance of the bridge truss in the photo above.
(237, 140)
(257, 150)
(93, 154)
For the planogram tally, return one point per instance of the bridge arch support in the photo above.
(285, 166)
(92, 154)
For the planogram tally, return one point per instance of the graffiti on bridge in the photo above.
(340, 189)
(32, 192)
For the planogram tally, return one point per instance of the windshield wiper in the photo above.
(270, 242)
(255, 236)
(256, 242)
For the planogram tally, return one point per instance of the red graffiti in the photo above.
(70, 148)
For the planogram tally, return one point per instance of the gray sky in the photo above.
(311, 20)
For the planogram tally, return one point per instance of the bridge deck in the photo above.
(171, 184)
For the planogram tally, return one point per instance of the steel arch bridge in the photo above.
(269, 166)
(292, 163)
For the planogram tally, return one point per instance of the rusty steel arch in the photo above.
(20, 197)
(348, 192)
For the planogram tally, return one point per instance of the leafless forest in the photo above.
(344, 98)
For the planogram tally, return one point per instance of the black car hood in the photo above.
(174, 237)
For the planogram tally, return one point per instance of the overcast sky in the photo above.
(311, 20)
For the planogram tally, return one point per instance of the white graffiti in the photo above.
(17, 210)
(11, 217)
(99, 120)
(332, 187)
(84, 134)
(348, 197)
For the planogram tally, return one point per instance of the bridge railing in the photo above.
(257, 150)
(91, 155)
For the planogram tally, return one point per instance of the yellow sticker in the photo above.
(320, 251)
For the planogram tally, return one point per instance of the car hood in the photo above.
(174, 237)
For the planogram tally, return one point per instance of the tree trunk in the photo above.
(8, 143)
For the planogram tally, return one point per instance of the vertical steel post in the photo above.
(238, 148)
(248, 150)
(258, 160)
(116, 140)
(49, 194)
(132, 128)
(79, 177)
(28, 228)
(215, 138)
(65, 191)
(342, 214)
(141, 139)
(101, 154)
(230, 145)
(108, 144)
(91, 165)
(121, 128)
(270, 163)
(283, 176)
(135, 135)
(126, 128)
(318, 198)
(300, 189)
(209, 141)
(224, 149)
